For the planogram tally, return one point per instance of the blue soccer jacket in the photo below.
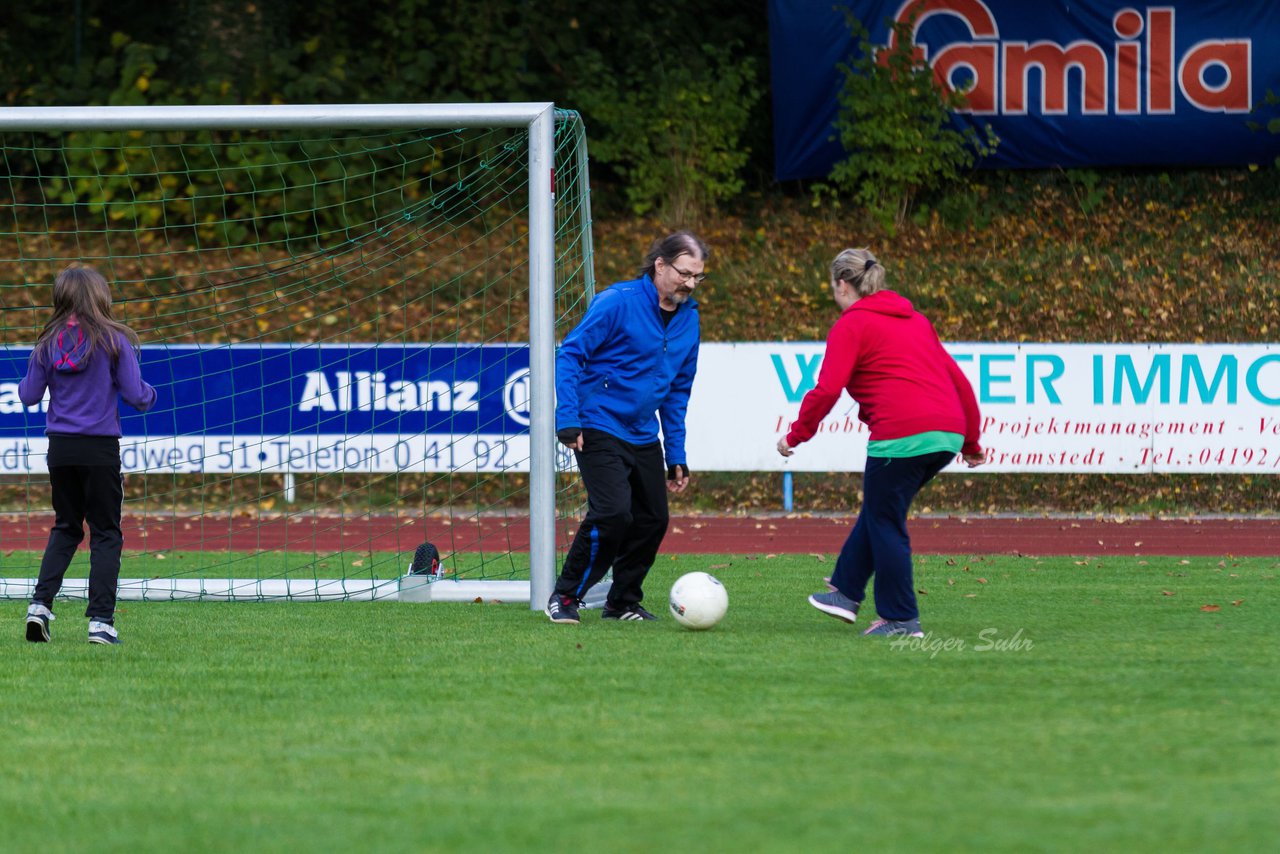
(621, 371)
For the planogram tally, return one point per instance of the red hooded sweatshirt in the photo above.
(888, 357)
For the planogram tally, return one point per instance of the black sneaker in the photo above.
(104, 633)
(426, 560)
(562, 609)
(626, 612)
(38, 617)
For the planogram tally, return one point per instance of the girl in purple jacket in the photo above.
(85, 358)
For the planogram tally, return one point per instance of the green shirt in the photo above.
(917, 445)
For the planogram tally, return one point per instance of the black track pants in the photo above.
(80, 494)
(626, 518)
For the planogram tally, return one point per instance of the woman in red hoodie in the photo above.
(921, 412)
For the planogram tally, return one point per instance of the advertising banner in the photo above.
(308, 408)
(1120, 408)
(1123, 408)
(1089, 83)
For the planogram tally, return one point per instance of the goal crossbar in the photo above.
(274, 117)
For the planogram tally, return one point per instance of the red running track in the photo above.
(687, 535)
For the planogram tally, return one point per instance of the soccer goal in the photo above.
(350, 315)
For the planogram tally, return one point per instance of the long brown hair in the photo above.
(672, 247)
(82, 293)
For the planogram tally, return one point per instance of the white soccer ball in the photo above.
(698, 601)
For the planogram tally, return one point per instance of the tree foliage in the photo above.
(894, 122)
(677, 143)
(672, 109)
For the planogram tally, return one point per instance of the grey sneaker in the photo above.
(907, 628)
(38, 617)
(100, 632)
(836, 604)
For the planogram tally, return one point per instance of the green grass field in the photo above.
(1057, 704)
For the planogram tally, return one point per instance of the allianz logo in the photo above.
(372, 391)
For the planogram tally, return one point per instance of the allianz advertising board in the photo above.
(307, 408)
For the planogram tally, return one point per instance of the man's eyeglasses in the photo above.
(698, 278)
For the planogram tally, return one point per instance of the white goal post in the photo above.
(539, 119)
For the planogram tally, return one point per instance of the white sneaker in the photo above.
(38, 617)
(102, 633)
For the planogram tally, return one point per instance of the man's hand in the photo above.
(570, 437)
(977, 459)
(677, 478)
(785, 449)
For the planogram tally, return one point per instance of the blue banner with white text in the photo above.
(1087, 83)
(305, 408)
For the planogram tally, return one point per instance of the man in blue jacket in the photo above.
(626, 367)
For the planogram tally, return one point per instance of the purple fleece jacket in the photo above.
(82, 393)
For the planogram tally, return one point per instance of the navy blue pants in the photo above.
(626, 518)
(879, 543)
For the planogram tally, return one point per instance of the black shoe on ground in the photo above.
(104, 633)
(626, 612)
(38, 617)
(562, 609)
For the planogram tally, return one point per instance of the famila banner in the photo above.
(1062, 84)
